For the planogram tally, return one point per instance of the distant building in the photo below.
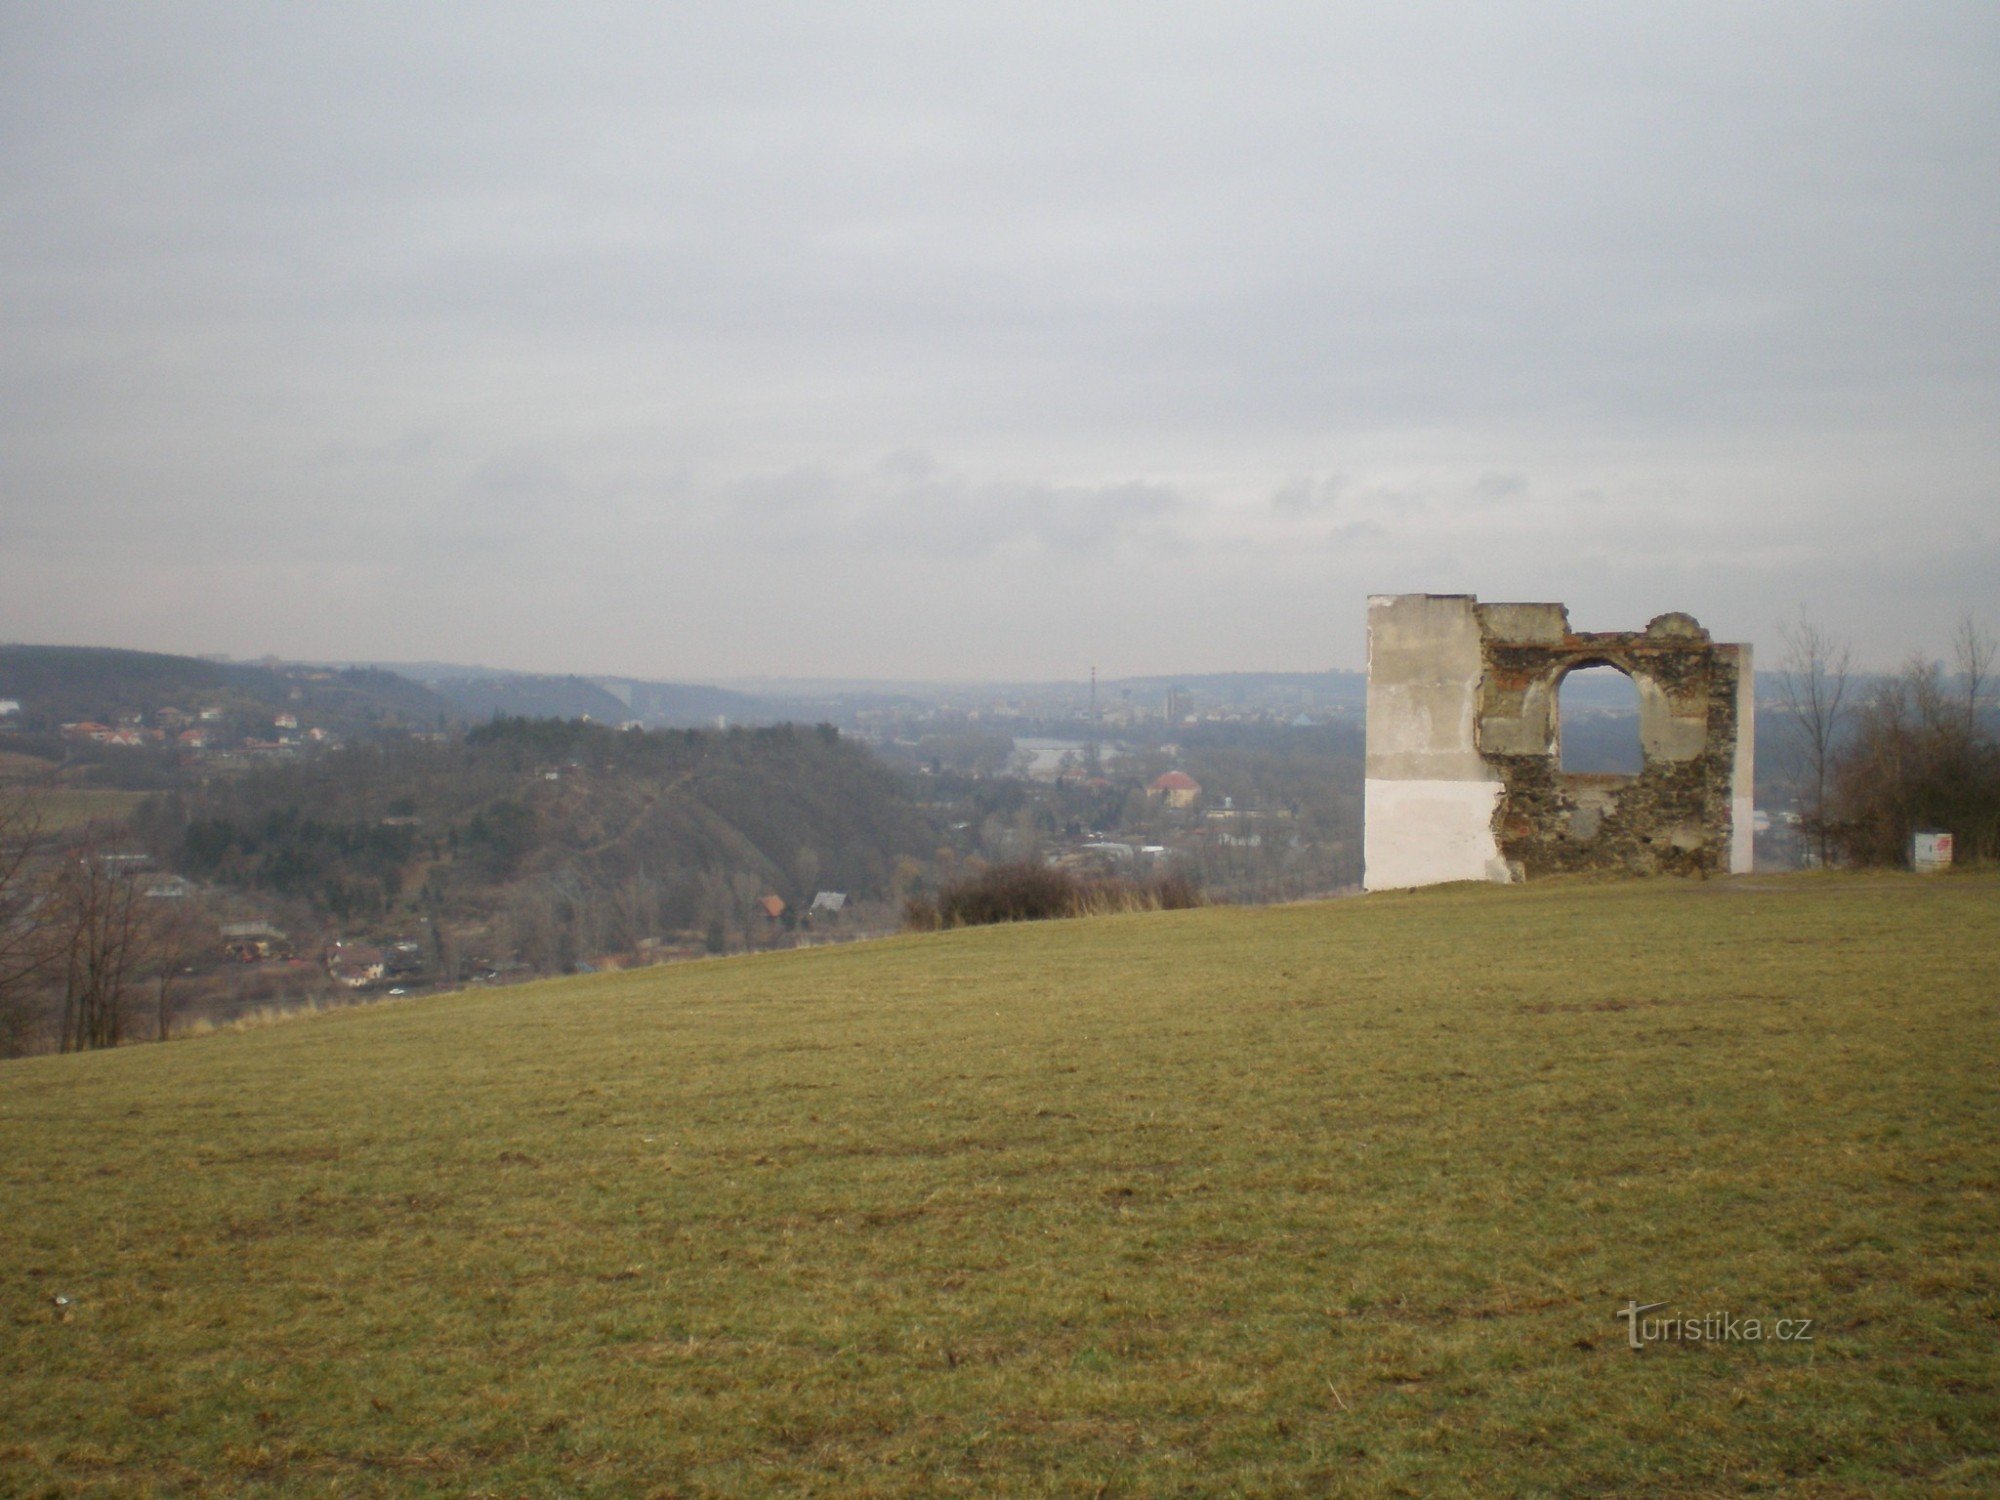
(247, 942)
(830, 902)
(355, 964)
(237, 931)
(1176, 789)
(9, 707)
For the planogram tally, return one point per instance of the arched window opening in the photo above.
(1599, 706)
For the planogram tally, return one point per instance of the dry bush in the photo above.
(1923, 754)
(1177, 891)
(1010, 893)
(1034, 893)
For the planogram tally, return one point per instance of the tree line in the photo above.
(81, 944)
(1875, 761)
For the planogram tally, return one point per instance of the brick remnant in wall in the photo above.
(1465, 778)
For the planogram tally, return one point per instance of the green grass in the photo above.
(14, 766)
(69, 806)
(1312, 1200)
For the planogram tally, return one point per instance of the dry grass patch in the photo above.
(1309, 1200)
(60, 807)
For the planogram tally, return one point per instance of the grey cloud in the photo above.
(518, 476)
(554, 294)
(411, 446)
(1306, 494)
(1492, 487)
(1357, 533)
(909, 505)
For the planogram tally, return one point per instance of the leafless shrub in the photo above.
(100, 926)
(1033, 893)
(1813, 691)
(26, 952)
(1923, 754)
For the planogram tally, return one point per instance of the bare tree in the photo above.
(25, 949)
(175, 932)
(101, 927)
(1972, 652)
(1919, 757)
(444, 955)
(1812, 689)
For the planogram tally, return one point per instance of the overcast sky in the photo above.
(695, 341)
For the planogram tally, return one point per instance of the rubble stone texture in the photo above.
(1465, 778)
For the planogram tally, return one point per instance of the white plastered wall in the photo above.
(1743, 777)
(1428, 832)
(1429, 797)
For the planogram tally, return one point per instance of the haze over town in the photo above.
(716, 342)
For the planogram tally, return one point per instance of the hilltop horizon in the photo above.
(786, 684)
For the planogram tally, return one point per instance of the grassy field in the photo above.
(55, 806)
(60, 807)
(15, 766)
(1333, 1199)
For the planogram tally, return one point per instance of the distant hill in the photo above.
(480, 693)
(555, 826)
(687, 705)
(1332, 688)
(65, 684)
(529, 696)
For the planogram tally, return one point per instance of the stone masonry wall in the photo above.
(1676, 815)
(1464, 773)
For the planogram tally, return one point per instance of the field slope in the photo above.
(1310, 1200)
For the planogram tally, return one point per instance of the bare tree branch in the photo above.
(1972, 652)
(26, 952)
(102, 929)
(1813, 681)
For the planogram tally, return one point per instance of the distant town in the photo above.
(339, 829)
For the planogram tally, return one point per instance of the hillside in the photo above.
(1335, 688)
(574, 838)
(56, 684)
(528, 696)
(1331, 1199)
(480, 695)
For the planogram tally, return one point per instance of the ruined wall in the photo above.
(1430, 796)
(1465, 778)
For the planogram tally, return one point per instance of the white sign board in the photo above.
(1930, 852)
